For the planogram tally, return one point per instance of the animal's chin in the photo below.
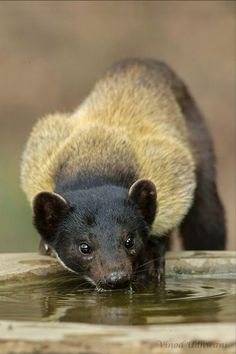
(102, 290)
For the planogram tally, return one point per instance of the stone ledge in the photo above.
(27, 266)
(36, 337)
(202, 264)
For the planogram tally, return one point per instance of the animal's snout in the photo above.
(116, 280)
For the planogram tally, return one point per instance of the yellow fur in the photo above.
(131, 118)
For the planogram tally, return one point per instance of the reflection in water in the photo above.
(179, 301)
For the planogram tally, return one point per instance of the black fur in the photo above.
(90, 179)
(204, 226)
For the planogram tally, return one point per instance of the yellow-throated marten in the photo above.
(131, 164)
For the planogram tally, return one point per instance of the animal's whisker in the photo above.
(148, 262)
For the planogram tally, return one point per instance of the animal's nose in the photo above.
(117, 280)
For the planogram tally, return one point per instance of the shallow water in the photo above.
(65, 300)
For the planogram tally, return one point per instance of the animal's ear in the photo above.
(48, 210)
(143, 194)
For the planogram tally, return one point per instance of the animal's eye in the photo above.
(129, 243)
(85, 248)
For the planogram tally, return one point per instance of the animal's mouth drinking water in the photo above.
(113, 281)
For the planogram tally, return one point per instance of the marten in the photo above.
(110, 182)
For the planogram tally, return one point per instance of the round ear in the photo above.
(48, 210)
(143, 194)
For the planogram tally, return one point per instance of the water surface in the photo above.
(66, 300)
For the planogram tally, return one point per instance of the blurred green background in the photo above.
(52, 52)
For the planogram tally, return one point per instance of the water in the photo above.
(65, 300)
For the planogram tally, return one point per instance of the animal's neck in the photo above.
(89, 180)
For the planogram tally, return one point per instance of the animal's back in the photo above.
(138, 95)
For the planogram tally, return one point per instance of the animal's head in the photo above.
(100, 232)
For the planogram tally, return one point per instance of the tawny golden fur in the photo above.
(131, 120)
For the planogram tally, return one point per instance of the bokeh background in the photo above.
(52, 52)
